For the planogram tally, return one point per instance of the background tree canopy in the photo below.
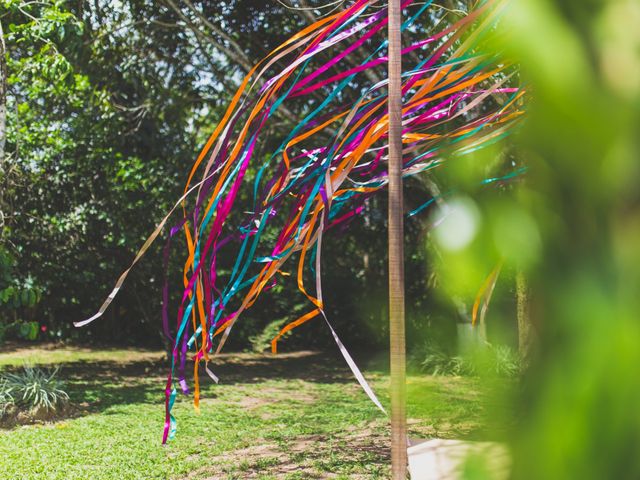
(108, 104)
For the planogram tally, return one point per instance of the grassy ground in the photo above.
(294, 416)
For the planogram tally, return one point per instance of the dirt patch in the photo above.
(304, 444)
(309, 456)
(15, 417)
(271, 394)
(266, 396)
(254, 462)
(251, 403)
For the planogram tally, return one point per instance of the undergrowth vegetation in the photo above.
(32, 389)
(6, 399)
(482, 360)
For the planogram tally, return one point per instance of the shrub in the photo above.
(506, 361)
(35, 389)
(6, 399)
(499, 360)
(434, 359)
(262, 341)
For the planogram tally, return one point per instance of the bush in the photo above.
(34, 389)
(262, 341)
(435, 360)
(19, 299)
(506, 361)
(6, 399)
(499, 360)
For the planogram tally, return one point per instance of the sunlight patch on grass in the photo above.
(270, 417)
(53, 354)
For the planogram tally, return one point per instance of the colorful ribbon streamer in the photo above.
(457, 99)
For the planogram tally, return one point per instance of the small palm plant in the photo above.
(499, 360)
(35, 389)
(6, 399)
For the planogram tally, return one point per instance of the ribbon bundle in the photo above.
(456, 99)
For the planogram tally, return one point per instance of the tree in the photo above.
(108, 105)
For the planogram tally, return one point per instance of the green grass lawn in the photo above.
(289, 416)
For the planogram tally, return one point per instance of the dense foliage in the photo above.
(578, 410)
(107, 105)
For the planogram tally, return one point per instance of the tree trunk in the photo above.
(3, 98)
(524, 316)
(3, 126)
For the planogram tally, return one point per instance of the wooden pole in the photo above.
(396, 253)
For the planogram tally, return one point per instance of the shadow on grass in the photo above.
(96, 386)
